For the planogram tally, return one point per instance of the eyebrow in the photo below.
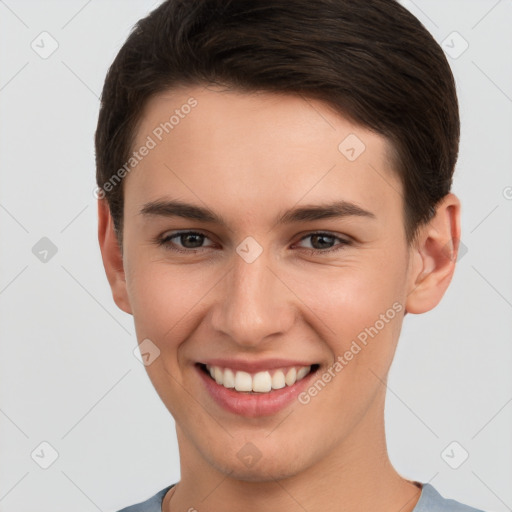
(307, 213)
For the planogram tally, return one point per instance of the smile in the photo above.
(258, 391)
(260, 382)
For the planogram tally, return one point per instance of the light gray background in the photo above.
(68, 374)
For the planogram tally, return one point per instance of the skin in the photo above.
(249, 157)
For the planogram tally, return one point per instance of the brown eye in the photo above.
(322, 243)
(189, 241)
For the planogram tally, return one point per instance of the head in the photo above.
(269, 121)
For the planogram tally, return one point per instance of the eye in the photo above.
(321, 243)
(190, 240)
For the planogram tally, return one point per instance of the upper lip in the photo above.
(255, 366)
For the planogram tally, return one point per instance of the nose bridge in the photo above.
(253, 305)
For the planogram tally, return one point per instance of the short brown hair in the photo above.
(371, 60)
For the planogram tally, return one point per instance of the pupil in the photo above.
(188, 236)
(317, 237)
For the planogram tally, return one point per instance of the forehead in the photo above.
(245, 151)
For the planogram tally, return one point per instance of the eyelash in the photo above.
(166, 242)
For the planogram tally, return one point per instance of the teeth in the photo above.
(261, 382)
(291, 377)
(302, 372)
(278, 380)
(218, 375)
(229, 378)
(243, 381)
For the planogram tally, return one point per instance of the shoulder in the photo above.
(431, 501)
(153, 504)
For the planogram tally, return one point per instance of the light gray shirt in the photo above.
(430, 501)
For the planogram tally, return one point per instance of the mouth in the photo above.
(255, 394)
(259, 382)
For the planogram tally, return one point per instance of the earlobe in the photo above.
(434, 257)
(112, 257)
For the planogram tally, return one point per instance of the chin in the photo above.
(261, 474)
(268, 467)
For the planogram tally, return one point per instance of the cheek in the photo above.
(164, 299)
(361, 302)
(349, 297)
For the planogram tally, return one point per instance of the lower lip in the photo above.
(253, 405)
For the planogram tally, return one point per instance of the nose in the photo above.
(253, 303)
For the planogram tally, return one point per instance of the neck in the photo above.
(356, 475)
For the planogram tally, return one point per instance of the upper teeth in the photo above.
(261, 382)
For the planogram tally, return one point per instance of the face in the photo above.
(291, 254)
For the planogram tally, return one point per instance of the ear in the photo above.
(112, 257)
(434, 255)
